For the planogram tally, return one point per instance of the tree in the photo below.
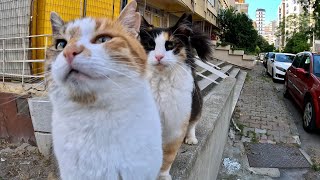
(297, 43)
(264, 45)
(315, 5)
(237, 30)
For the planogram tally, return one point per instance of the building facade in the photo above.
(270, 32)
(260, 18)
(291, 19)
(241, 6)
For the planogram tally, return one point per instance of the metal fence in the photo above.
(16, 63)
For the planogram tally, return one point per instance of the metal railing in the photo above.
(19, 63)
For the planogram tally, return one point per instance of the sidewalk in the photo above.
(263, 116)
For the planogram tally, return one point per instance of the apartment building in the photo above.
(260, 18)
(270, 32)
(241, 6)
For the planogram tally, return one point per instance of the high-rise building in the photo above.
(241, 6)
(290, 20)
(260, 18)
(281, 29)
(270, 32)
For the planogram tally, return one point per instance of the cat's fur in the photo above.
(172, 81)
(105, 121)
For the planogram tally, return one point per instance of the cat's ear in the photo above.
(130, 18)
(145, 25)
(56, 23)
(184, 24)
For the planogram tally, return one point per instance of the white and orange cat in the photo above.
(105, 121)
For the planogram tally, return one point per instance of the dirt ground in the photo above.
(23, 161)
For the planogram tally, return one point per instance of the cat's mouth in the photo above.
(77, 74)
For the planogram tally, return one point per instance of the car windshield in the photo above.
(284, 58)
(316, 65)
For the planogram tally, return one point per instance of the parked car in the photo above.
(267, 56)
(302, 83)
(278, 64)
(261, 56)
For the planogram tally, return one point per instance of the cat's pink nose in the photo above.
(71, 51)
(159, 57)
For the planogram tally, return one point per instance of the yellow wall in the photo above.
(68, 10)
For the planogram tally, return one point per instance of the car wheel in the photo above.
(309, 116)
(273, 79)
(286, 93)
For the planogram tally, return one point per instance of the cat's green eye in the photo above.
(150, 46)
(60, 44)
(169, 45)
(102, 39)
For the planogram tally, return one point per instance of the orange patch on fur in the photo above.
(170, 150)
(182, 54)
(75, 34)
(83, 98)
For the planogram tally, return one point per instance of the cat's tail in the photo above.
(202, 44)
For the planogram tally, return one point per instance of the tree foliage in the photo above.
(315, 4)
(264, 45)
(297, 43)
(237, 30)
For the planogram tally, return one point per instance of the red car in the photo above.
(302, 83)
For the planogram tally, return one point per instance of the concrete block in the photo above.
(236, 52)
(271, 172)
(44, 143)
(40, 111)
(202, 161)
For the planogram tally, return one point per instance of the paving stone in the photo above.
(261, 131)
(255, 125)
(259, 107)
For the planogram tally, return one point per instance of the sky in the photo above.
(271, 7)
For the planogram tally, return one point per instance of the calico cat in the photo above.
(105, 121)
(171, 60)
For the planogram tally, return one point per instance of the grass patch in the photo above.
(241, 127)
(315, 166)
(248, 78)
(254, 138)
(266, 79)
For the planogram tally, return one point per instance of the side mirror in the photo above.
(303, 71)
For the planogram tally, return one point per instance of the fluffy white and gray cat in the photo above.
(105, 121)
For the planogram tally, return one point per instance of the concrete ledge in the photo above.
(44, 143)
(202, 161)
(249, 57)
(40, 111)
(236, 52)
(228, 47)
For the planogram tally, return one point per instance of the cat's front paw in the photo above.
(191, 140)
(165, 177)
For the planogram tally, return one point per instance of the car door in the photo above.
(303, 73)
(291, 74)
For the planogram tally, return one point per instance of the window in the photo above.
(284, 58)
(295, 8)
(297, 59)
(304, 62)
(316, 65)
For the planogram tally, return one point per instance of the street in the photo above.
(264, 116)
